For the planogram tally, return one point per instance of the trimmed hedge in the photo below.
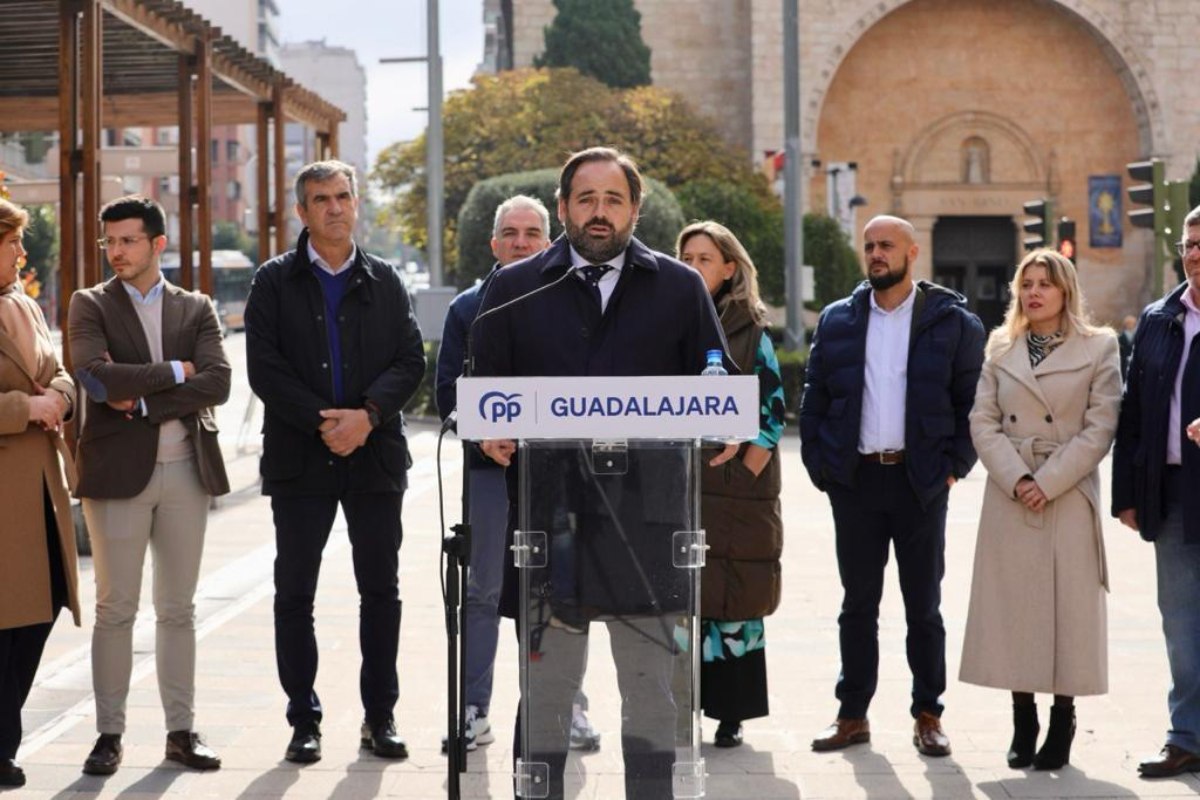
(791, 373)
(660, 221)
(423, 403)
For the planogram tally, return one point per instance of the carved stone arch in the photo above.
(1122, 56)
(1023, 165)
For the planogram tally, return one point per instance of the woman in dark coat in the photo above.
(740, 499)
(37, 542)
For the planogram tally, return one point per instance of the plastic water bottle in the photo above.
(716, 363)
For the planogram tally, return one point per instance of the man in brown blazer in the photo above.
(149, 355)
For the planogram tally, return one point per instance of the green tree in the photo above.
(659, 222)
(41, 244)
(835, 264)
(229, 236)
(603, 40)
(532, 119)
(755, 220)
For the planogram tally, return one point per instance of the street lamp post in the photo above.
(434, 145)
(793, 189)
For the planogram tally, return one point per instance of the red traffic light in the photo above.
(1066, 238)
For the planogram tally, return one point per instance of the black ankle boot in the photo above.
(1056, 750)
(1025, 733)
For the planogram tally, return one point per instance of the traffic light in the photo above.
(1037, 230)
(1066, 238)
(1168, 205)
(1150, 191)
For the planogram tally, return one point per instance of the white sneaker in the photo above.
(479, 730)
(476, 731)
(583, 736)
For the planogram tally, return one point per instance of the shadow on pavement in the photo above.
(745, 772)
(360, 782)
(1073, 781)
(275, 781)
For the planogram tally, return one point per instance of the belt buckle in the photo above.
(890, 457)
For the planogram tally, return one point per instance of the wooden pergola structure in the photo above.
(82, 66)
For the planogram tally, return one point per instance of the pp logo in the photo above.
(498, 406)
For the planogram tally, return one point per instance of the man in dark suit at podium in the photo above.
(625, 310)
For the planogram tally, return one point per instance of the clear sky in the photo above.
(378, 29)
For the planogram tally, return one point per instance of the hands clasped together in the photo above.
(344, 429)
(1029, 493)
(47, 408)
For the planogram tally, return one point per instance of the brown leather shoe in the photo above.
(1170, 761)
(187, 748)
(928, 736)
(841, 734)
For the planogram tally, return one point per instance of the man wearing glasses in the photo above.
(1151, 477)
(149, 355)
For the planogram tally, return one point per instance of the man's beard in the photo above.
(598, 251)
(889, 279)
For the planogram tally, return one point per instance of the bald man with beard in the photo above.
(884, 432)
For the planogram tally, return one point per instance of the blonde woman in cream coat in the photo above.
(1044, 417)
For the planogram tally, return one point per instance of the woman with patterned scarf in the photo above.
(739, 506)
(1044, 417)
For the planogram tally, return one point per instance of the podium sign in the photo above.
(653, 407)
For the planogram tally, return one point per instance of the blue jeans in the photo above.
(1179, 602)
(489, 517)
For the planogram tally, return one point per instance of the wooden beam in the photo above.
(68, 207)
(204, 132)
(149, 109)
(186, 119)
(280, 164)
(333, 144)
(262, 182)
(90, 118)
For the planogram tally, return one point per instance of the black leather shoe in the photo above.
(305, 746)
(729, 734)
(382, 740)
(189, 749)
(105, 756)
(11, 773)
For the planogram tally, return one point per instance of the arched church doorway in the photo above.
(976, 256)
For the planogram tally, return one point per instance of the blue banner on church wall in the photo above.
(1105, 220)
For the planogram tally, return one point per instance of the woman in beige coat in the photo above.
(37, 542)
(1044, 417)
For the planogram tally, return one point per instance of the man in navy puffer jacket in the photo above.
(883, 424)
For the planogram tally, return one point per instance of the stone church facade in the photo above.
(954, 111)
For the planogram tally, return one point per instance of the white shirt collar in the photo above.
(150, 296)
(617, 263)
(903, 307)
(315, 258)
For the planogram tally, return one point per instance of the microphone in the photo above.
(469, 365)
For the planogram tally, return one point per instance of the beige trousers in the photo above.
(168, 517)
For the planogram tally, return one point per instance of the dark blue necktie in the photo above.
(592, 274)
